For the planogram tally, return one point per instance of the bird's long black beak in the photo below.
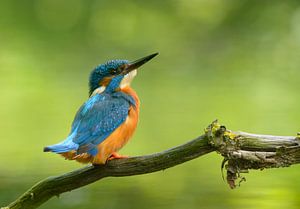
(137, 63)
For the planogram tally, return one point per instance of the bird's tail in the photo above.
(65, 146)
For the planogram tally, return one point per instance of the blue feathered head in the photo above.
(106, 70)
(112, 72)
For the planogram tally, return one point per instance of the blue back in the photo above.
(96, 119)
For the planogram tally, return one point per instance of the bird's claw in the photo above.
(116, 155)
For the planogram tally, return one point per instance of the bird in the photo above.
(108, 119)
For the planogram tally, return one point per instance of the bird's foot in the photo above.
(115, 155)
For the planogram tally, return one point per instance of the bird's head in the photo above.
(115, 74)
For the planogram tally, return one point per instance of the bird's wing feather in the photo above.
(97, 119)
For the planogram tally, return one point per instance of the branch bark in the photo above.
(241, 151)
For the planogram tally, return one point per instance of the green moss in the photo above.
(228, 135)
(219, 137)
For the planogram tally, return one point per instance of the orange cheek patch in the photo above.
(105, 81)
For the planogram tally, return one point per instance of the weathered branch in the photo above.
(241, 151)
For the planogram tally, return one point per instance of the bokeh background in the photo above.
(234, 60)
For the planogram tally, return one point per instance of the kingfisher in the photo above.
(108, 119)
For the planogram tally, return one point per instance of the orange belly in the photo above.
(115, 140)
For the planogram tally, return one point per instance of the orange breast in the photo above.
(114, 141)
(122, 134)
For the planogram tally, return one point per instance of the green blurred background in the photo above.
(235, 60)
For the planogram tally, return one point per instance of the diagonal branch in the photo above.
(54, 186)
(241, 151)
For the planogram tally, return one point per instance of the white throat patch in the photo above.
(98, 90)
(128, 78)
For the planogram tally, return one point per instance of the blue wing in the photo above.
(94, 122)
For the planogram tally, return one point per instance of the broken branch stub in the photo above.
(244, 151)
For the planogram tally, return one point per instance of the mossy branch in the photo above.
(241, 151)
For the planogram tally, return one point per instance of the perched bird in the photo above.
(106, 121)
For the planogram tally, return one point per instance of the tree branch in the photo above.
(241, 151)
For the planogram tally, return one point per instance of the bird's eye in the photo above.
(114, 71)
